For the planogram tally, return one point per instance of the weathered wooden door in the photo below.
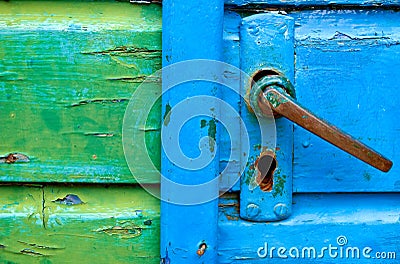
(70, 182)
(67, 72)
(320, 203)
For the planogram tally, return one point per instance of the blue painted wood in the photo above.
(347, 71)
(266, 42)
(349, 44)
(231, 48)
(364, 220)
(189, 32)
(320, 3)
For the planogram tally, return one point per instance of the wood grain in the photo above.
(113, 225)
(67, 72)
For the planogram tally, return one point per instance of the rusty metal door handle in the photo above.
(276, 92)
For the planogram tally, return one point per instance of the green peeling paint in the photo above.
(203, 123)
(167, 114)
(275, 100)
(257, 147)
(279, 184)
(67, 71)
(367, 176)
(212, 132)
(115, 225)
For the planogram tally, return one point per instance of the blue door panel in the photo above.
(347, 72)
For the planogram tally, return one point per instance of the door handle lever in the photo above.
(271, 92)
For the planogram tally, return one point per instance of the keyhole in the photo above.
(266, 165)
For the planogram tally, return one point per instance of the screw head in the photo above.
(281, 210)
(252, 210)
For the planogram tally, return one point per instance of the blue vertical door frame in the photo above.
(191, 30)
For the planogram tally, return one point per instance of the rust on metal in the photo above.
(281, 103)
(202, 249)
(265, 164)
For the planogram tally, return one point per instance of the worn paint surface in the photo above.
(346, 70)
(267, 42)
(67, 72)
(188, 232)
(352, 46)
(369, 220)
(362, 47)
(304, 4)
(113, 225)
(328, 43)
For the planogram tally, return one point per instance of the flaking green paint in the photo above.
(67, 70)
(279, 184)
(367, 176)
(102, 230)
(275, 100)
(167, 114)
(203, 123)
(212, 133)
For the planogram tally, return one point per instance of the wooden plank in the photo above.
(317, 3)
(20, 216)
(67, 72)
(336, 232)
(347, 73)
(185, 204)
(231, 49)
(112, 225)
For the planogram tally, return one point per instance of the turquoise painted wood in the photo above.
(362, 47)
(345, 70)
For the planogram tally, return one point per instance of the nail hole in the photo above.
(202, 249)
(266, 165)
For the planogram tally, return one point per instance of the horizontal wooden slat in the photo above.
(317, 3)
(351, 221)
(108, 225)
(67, 72)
